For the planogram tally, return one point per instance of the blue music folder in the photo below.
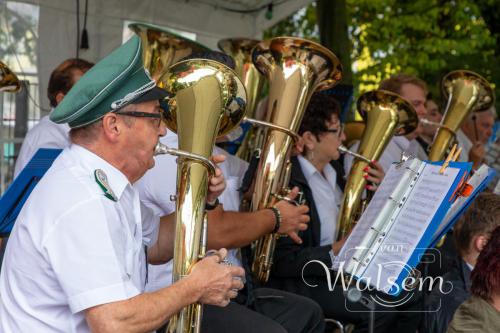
(18, 192)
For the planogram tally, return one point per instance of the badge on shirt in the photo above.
(102, 181)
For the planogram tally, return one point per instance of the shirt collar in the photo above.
(116, 179)
(309, 170)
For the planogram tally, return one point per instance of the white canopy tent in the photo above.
(207, 20)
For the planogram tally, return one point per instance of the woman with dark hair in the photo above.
(481, 312)
(321, 135)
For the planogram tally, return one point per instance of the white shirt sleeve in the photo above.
(92, 255)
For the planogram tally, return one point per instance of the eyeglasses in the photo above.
(337, 131)
(157, 116)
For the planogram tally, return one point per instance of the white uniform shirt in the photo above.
(327, 197)
(45, 134)
(466, 144)
(72, 248)
(392, 152)
(159, 183)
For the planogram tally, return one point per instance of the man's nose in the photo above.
(163, 129)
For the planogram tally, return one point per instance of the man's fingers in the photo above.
(293, 193)
(237, 271)
(304, 218)
(218, 158)
(222, 253)
(293, 235)
(232, 294)
(303, 209)
(237, 284)
(302, 226)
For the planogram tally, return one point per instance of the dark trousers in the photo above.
(272, 311)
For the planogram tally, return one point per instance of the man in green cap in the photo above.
(76, 259)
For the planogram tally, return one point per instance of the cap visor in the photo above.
(154, 94)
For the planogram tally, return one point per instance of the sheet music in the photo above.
(413, 219)
(476, 181)
(380, 202)
(497, 188)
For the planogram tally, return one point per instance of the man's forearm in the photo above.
(163, 250)
(235, 229)
(142, 313)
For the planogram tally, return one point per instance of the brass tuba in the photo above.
(466, 92)
(295, 69)
(240, 49)
(385, 114)
(8, 80)
(206, 100)
(162, 48)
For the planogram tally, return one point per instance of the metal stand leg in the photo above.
(356, 296)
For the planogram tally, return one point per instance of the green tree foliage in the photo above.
(300, 24)
(17, 34)
(427, 38)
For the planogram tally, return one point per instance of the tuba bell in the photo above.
(385, 114)
(162, 48)
(295, 68)
(206, 100)
(8, 80)
(240, 49)
(466, 92)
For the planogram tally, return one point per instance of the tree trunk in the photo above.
(332, 22)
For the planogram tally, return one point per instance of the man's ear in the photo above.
(111, 126)
(59, 97)
(479, 242)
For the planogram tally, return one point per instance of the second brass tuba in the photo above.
(295, 68)
(162, 48)
(466, 92)
(240, 49)
(385, 114)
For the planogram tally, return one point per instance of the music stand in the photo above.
(18, 192)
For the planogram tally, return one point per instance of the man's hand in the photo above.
(477, 154)
(337, 246)
(293, 218)
(216, 184)
(218, 282)
(374, 174)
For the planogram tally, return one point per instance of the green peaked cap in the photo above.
(117, 80)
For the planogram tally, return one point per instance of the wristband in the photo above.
(210, 206)
(277, 216)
